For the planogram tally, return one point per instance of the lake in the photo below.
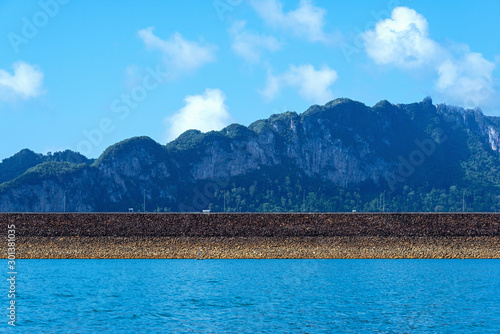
(257, 296)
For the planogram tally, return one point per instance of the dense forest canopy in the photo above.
(339, 157)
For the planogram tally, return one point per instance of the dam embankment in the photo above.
(253, 235)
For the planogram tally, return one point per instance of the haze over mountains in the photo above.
(341, 156)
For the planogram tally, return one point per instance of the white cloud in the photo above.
(26, 82)
(250, 45)
(203, 112)
(179, 53)
(306, 21)
(312, 85)
(401, 40)
(468, 80)
(463, 77)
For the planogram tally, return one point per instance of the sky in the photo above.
(83, 75)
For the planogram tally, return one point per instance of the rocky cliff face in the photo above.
(55, 193)
(343, 143)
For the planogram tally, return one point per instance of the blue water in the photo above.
(257, 296)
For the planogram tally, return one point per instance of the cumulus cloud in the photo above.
(250, 45)
(468, 80)
(203, 112)
(179, 54)
(402, 40)
(312, 85)
(306, 21)
(25, 83)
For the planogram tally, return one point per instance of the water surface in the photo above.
(258, 296)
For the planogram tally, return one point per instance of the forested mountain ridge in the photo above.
(341, 156)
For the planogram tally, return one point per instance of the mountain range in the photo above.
(341, 156)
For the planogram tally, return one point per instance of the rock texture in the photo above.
(342, 143)
(254, 235)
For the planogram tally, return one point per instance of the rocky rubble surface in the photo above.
(304, 235)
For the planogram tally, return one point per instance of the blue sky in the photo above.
(83, 75)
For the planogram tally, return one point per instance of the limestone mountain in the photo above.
(341, 156)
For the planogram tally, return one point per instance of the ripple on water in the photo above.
(259, 296)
